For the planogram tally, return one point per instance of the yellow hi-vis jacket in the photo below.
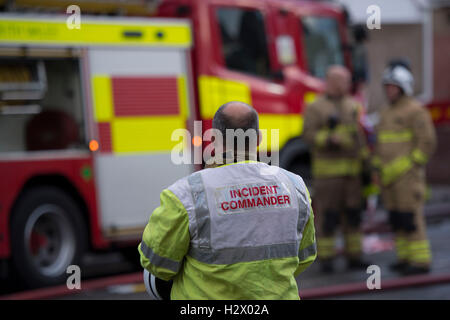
(239, 231)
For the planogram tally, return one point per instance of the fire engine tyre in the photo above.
(131, 254)
(47, 235)
(295, 157)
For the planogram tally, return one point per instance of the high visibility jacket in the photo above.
(328, 161)
(405, 139)
(238, 231)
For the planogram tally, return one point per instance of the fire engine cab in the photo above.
(87, 115)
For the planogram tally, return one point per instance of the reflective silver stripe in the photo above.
(307, 252)
(182, 191)
(303, 202)
(201, 210)
(244, 254)
(158, 260)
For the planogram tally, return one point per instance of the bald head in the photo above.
(236, 115)
(338, 81)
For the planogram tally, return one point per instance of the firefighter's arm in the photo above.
(368, 175)
(361, 138)
(425, 137)
(364, 154)
(314, 133)
(352, 136)
(307, 252)
(166, 238)
(375, 161)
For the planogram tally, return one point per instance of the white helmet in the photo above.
(156, 288)
(400, 75)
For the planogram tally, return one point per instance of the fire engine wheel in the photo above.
(47, 234)
(295, 157)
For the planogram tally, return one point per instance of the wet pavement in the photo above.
(435, 292)
(439, 235)
(312, 278)
(378, 248)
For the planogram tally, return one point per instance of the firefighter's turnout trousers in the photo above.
(405, 141)
(336, 172)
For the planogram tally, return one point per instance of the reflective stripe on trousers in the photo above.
(325, 247)
(419, 252)
(353, 243)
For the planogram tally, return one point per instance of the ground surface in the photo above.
(378, 247)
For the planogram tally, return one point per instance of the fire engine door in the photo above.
(140, 96)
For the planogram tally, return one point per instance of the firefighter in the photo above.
(238, 230)
(405, 141)
(339, 151)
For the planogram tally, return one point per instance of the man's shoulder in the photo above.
(180, 187)
(384, 111)
(185, 183)
(414, 110)
(414, 102)
(301, 189)
(416, 106)
(318, 102)
(263, 169)
(296, 179)
(353, 103)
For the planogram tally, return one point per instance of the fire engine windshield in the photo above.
(244, 42)
(322, 44)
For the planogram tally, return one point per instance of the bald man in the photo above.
(235, 115)
(331, 128)
(240, 230)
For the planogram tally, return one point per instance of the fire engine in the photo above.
(86, 115)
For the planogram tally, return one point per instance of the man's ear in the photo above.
(258, 141)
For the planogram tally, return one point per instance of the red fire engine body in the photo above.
(123, 90)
